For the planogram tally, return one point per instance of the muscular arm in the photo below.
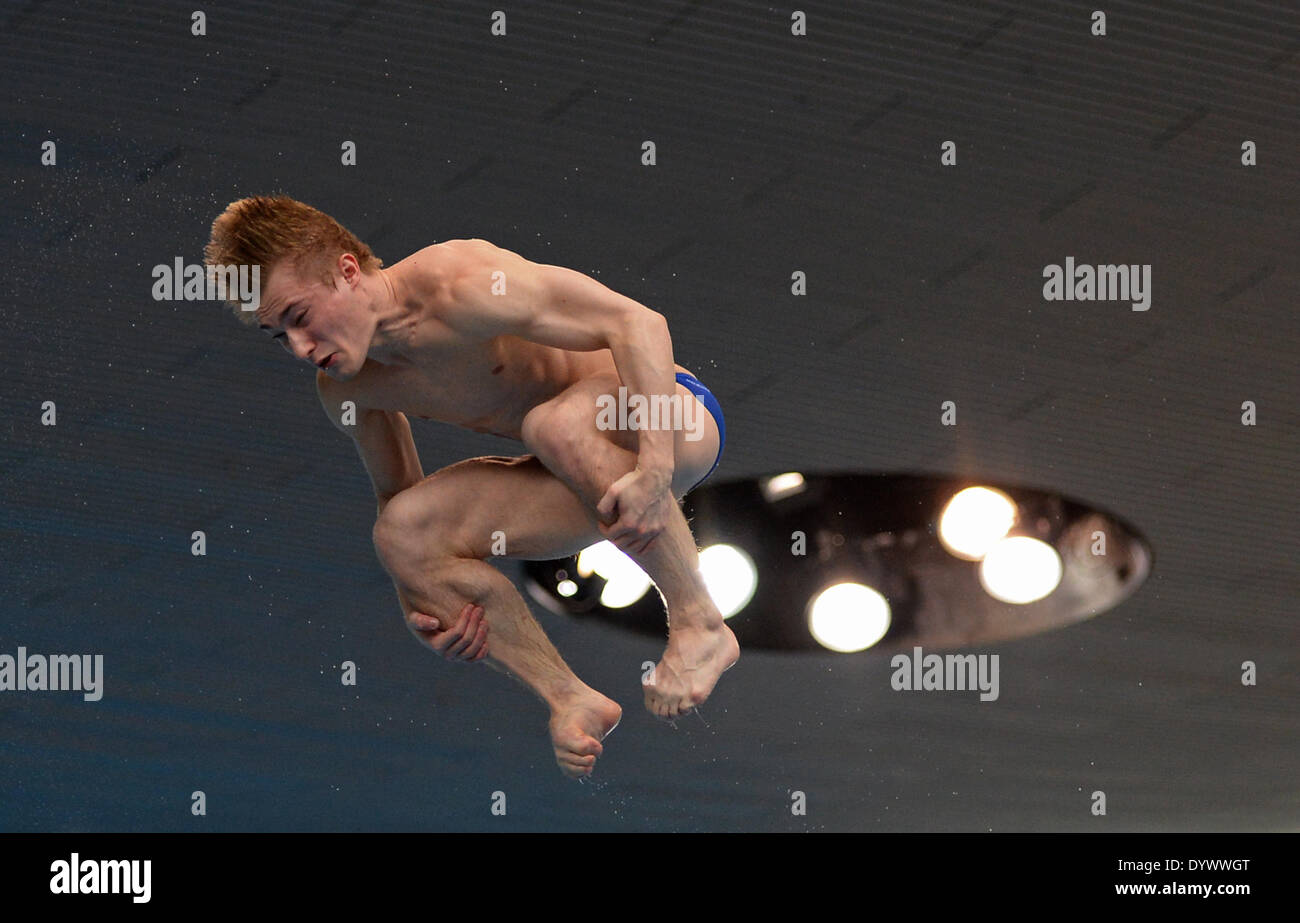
(499, 292)
(382, 437)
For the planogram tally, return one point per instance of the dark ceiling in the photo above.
(776, 153)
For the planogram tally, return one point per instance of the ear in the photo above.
(349, 268)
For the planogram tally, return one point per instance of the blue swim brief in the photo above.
(710, 402)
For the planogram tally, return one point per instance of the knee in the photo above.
(544, 426)
(394, 519)
(411, 523)
(562, 426)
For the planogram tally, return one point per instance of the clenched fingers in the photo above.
(466, 639)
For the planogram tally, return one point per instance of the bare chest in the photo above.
(487, 386)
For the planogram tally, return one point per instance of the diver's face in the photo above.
(326, 325)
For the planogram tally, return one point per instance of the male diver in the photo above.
(468, 333)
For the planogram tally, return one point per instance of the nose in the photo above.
(298, 345)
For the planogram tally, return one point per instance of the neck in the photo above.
(394, 318)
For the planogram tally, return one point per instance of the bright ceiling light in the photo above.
(848, 617)
(974, 520)
(730, 577)
(625, 581)
(1020, 570)
(783, 485)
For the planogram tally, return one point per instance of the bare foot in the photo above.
(690, 668)
(577, 728)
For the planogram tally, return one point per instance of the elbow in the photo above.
(634, 327)
(638, 323)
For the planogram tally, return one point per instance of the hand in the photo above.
(466, 640)
(635, 509)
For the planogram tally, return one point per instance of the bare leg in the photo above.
(433, 539)
(564, 436)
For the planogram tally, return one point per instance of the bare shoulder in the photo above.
(469, 245)
(473, 251)
(479, 266)
(451, 250)
(473, 286)
(432, 270)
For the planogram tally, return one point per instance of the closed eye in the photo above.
(298, 320)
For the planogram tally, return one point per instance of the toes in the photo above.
(573, 767)
(662, 706)
(576, 744)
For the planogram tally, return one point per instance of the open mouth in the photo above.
(328, 362)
